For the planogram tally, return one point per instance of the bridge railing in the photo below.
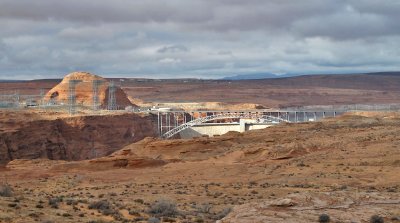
(201, 120)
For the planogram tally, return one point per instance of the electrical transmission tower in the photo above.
(95, 90)
(17, 99)
(112, 101)
(41, 98)
(72, 96)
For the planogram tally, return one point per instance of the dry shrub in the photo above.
(163, 208)
(6, 190)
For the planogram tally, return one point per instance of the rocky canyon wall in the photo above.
(75, 138)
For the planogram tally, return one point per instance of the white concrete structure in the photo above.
(212, 129)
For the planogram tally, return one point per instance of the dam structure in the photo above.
(189, 124)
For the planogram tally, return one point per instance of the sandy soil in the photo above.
(347, 168)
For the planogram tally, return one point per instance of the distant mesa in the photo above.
(84, 91)
(257, 76)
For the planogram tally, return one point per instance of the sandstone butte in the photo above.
(84, 91)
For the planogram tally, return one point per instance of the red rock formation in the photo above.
(84, 91)
(75, 138)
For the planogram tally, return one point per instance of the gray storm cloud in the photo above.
(185, 38)
(173, 49)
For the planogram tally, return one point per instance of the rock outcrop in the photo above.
(75, 138)
(84, 91)
(305, 207)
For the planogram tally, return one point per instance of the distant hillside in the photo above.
(257, 76)
(273, 76)
(46, 80)
(368, 81)
(11, 81)
(394, 73)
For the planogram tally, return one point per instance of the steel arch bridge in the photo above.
(267, 119)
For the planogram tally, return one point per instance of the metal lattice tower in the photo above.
(72, 96)
(17, 99)
(95, 91)
(41, 98)
(112, 101)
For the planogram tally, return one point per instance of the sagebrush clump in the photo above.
(6, 190)
(376, 219)
(153, 220)
(100, 205)
(53, 201)
(164, 208)
(324, 218)
(104, 207)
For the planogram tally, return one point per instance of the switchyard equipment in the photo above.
(72, 95)
(112, 101)
(95, 89)
(10, 100)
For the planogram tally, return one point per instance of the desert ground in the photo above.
(110, 166)
(272, 93)
(347, 168)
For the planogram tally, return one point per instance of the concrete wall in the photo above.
(257, 126)
(212, 129)
(209, 129)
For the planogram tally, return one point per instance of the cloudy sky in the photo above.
(197, 38)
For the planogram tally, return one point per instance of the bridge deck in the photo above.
(248, 111)
(173, 122)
